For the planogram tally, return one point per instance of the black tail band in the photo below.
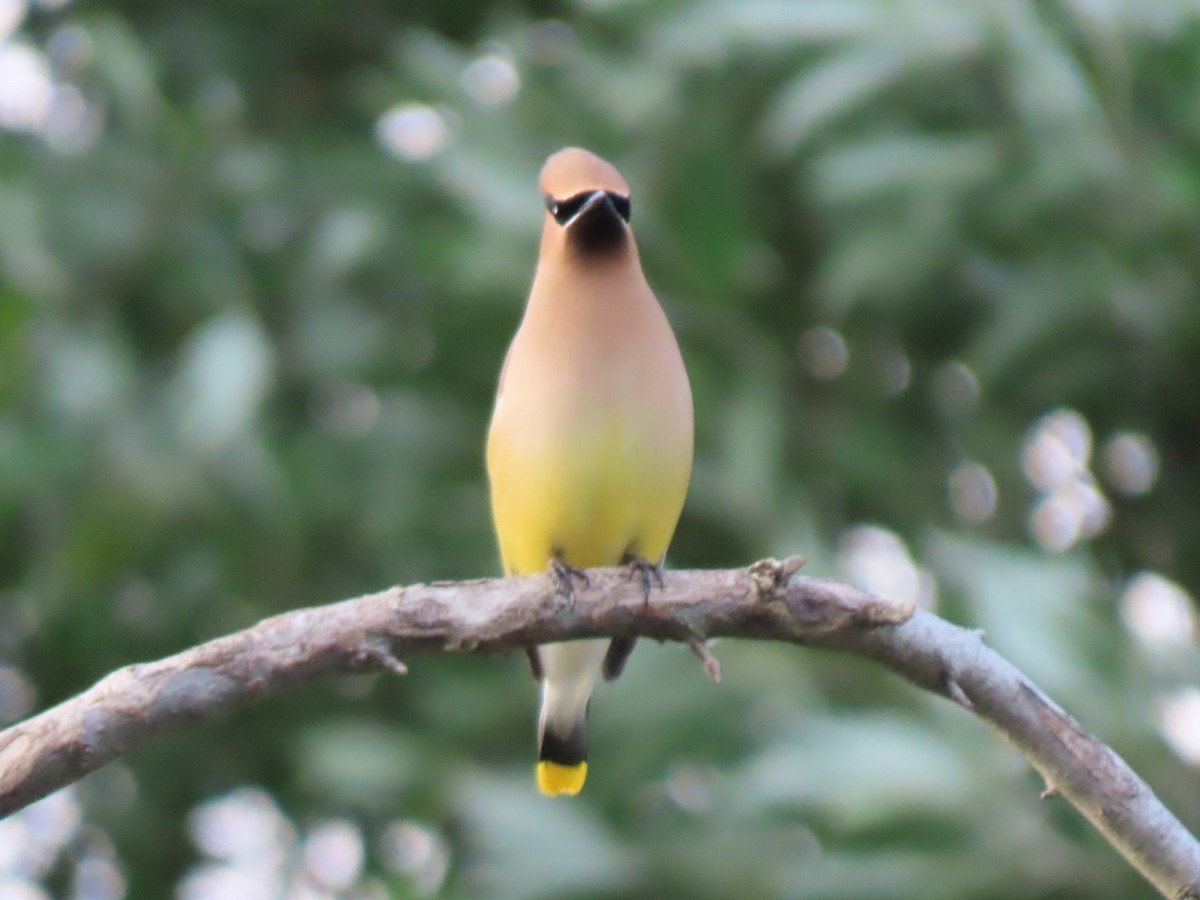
(565, 751)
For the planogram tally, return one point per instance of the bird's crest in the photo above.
(573, 170)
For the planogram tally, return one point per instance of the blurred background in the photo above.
(932, 264)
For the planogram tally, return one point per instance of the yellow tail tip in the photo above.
(554, 779)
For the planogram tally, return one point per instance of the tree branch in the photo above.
(764, 602)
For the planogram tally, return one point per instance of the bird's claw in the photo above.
(650, 574)
(564, 576)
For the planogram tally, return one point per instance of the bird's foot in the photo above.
(650, 574)
(564, 576)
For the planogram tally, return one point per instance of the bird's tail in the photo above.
(562, 755)
(569, 672)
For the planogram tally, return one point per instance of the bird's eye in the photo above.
(621, 204)
(565, 210)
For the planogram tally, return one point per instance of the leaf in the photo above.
(859, 770)
(829, 90)
(907, 164)
(714, 30)
(223, 378)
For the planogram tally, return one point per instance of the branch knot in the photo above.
(769, 575)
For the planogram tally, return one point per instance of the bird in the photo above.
(589, 450)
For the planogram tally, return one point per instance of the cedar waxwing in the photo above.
(590, 447)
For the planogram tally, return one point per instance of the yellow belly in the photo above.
(590, 495)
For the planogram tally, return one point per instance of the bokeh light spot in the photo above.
(26, 88)
(877, 560)
(895, 371)
(12, 14)
(1158, 612)
(1130, 462)
(955, 388)
(973, 493)
(244, 824)
(69, 48)
(72, 125)
(824, 352)
(412, 132)
(211, 881)
(1057, 448)
(411, 849)
(690, 788)
(333, 854)
(492, 80)
(32, 839)
(98, 878)
(1056, 523)
(12, 888)
(1179, 723)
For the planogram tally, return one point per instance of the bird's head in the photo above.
(587, 202)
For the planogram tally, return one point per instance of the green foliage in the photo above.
(256, 280)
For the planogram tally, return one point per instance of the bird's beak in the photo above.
(598, 199)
